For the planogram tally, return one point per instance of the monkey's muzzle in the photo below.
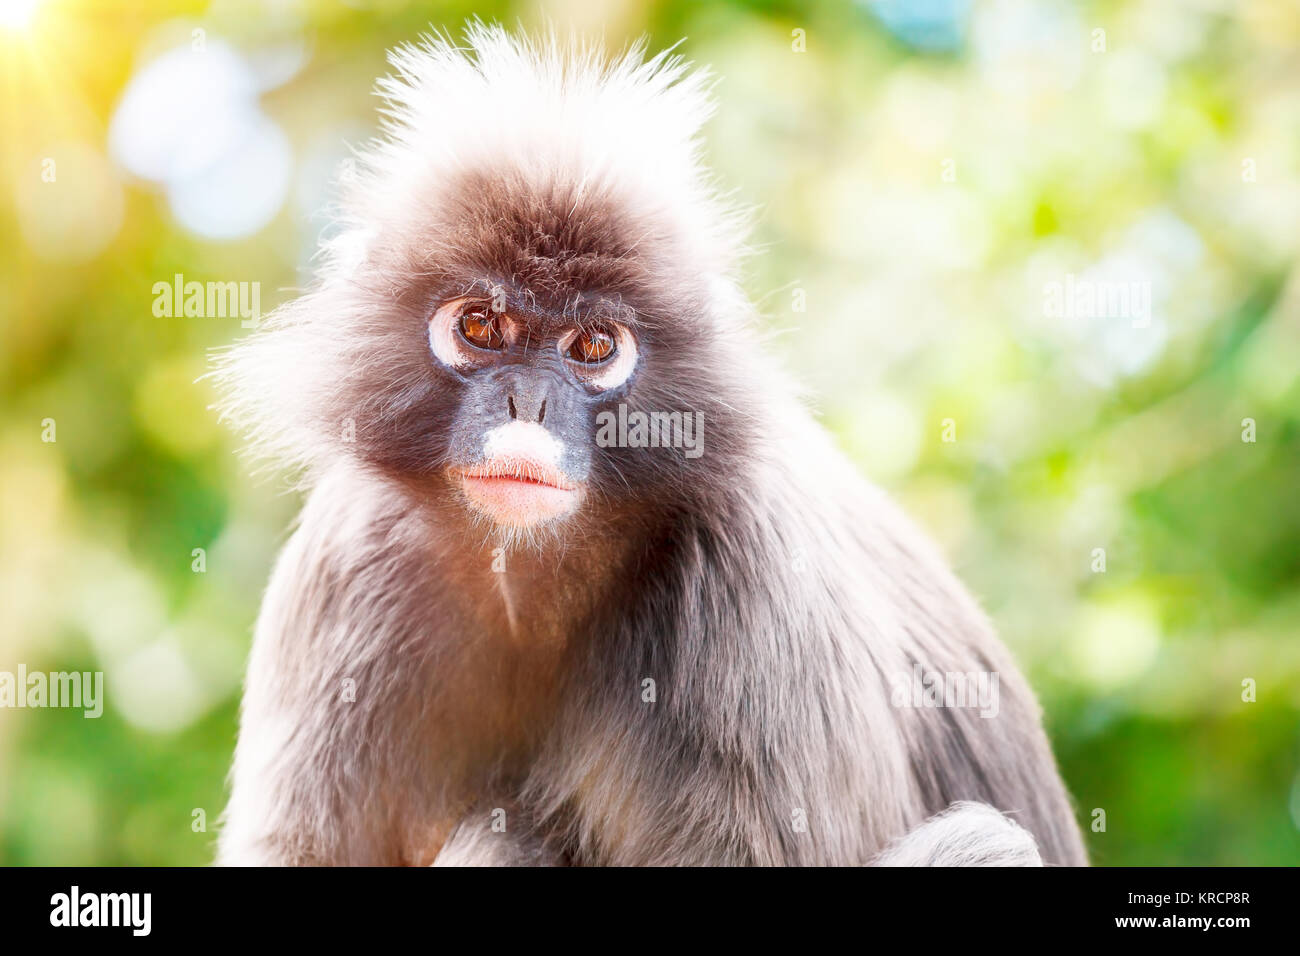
(519, 494)
(519, 483)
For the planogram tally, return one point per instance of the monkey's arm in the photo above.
(328, 767)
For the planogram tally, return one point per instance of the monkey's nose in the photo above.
(526, 399)
(527, 410)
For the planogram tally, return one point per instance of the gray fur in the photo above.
(770, 594)
(479, 841)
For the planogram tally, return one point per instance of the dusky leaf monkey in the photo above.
(495, 637)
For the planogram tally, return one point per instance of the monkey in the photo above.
(510, 626)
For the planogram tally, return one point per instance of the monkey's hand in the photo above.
(492, 837)
(966, 834)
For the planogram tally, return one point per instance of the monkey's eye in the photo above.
(482, 329)
(592, 347)
(600, 357)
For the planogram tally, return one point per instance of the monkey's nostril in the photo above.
(541, 412)
(510, 402)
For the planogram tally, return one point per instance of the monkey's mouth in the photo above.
(518, 492)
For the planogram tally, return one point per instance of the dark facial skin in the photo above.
(524, 369)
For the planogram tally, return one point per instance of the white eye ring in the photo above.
(444, 333)
(613, 373)
(443, 340)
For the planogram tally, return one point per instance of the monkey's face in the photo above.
(521, 355)
(530, 383)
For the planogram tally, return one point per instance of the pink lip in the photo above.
(526, 470)
(517, 491)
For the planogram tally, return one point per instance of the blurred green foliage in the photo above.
(924, 175)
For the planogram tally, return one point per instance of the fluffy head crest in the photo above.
(571, 178)
(550, 112)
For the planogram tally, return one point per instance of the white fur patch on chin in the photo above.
(528, 441)
(519, 482)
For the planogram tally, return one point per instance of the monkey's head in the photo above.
(527, 312)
